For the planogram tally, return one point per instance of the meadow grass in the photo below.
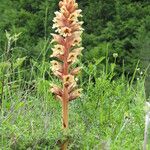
(109, 115)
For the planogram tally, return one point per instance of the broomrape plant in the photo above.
(67, 48)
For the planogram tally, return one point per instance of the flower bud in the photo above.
(58, 38)
(58, 51)
(75, 71)
(56, 66)
(75, 94)
(68, 80)
(56, 90)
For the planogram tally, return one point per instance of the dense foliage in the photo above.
(109, 114)
(122, 26)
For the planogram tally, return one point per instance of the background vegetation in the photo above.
(111, 111)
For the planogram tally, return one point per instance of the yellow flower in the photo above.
(68, 80)
(56, 66)
(59, 20)
(72, 58)
(71, 87)
(66, 21)
(65, 31)
(64, 11)
(71, 5)
(57, 50)
(75, 15)
(77, 38)
(78, 50)
(76, 27)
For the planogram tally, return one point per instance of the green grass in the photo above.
(110, 113)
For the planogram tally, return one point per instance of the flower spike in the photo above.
(67, 48)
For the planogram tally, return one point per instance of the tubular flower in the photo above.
(68, 80)
(56, 90)
(67, 48)
(56, 66)
(73, 95)
(58, 51)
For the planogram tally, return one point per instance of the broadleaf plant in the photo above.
(67, 48)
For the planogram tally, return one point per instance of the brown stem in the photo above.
(65, 109)
(64, 146)
(65, 91)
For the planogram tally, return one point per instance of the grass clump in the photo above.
(110, 113)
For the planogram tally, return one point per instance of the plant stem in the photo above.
(65, 109)
(65, 145)
(65, 91)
